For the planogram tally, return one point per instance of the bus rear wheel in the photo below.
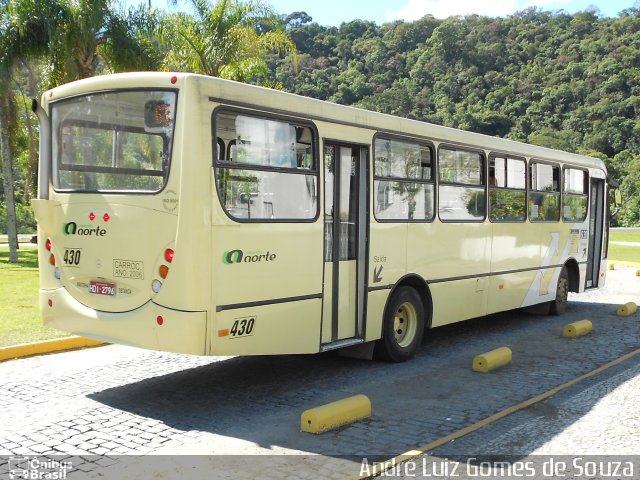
(402, 327)
(559, 305)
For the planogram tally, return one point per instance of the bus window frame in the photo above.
(233, 165)
(221, 149)
(498, 154)
(421, 141)
(530, 190)
(484, 181)
(587, 185)
(230, 145)
(166, 174)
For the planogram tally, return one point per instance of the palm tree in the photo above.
(223, 40)
(21, 35)
(6, 104)
(90, 36)
(80, 38)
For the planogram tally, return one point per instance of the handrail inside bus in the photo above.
(44, 163)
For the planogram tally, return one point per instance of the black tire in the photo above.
(402, 326)
(559, 305)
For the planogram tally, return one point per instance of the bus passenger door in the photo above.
(596, 219)
(345, 232)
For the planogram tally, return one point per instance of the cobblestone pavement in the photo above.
(93, 405)
(589, 430)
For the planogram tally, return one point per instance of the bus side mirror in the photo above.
(616, 204)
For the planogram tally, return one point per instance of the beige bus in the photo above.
(191, 214)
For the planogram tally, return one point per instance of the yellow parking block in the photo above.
(491, 360)
(46, 346)
(577, 329)
(627, 309)
(335, 414)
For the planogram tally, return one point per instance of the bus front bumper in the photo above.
(150, 326)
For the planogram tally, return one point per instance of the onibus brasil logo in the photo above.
(238, 256)
(27, 468)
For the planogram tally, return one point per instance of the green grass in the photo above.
(624, 254)
(625, 237)
(19, 315)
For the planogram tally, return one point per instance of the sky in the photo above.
(334, 12)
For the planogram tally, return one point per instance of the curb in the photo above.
(46, 346)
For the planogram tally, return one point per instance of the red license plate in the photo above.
(102, 288)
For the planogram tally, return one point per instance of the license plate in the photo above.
(102, 288)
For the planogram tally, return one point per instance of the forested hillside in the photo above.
(563, 81)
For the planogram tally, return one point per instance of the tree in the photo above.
(6, 104)
(222, 40)
(80, 38)
(20, 35)
(297, 19)
(89, 37)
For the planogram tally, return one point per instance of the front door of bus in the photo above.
(596, 218)
(345, 173)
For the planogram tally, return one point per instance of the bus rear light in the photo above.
(48, 245)
(92, 216)
(159, 320)
(57, 273)
(163, 271)
(174, 79)
(50, 302)
(52, 259)
(223, 333)
(106, 217)
(168, 255)
(156, 285)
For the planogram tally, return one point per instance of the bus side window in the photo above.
(507, 192)
(269, 173)
(544, 197)
(403, 182)
(575, 198)
(462, 179)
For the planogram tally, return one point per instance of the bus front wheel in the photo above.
(559, 305)
(402, 327)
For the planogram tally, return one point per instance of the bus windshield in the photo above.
(117, 141)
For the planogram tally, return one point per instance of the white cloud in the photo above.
(416, 9)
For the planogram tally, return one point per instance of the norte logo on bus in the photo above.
(72, 228)
(238, 256)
